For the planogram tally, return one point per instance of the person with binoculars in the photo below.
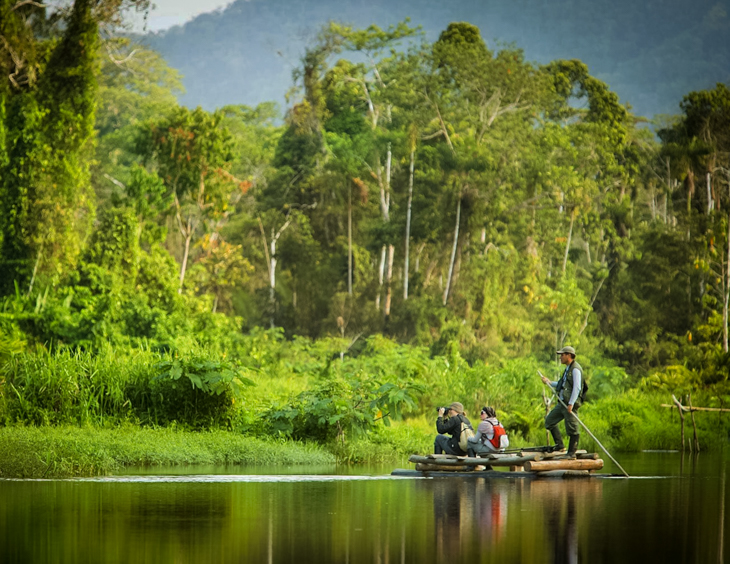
(450, 429)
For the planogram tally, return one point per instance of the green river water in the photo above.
(671, 510)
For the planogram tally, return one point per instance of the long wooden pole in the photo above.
(685, 408)
(680, 407)
(694, 425)
(625, 473)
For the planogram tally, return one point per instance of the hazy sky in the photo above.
(173, 12)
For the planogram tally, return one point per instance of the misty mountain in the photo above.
(650, 52)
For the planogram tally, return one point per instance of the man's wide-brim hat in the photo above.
(569, 350)
(457, 407)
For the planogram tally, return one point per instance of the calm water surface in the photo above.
(673, 511)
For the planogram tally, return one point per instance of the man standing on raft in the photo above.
(569, 389)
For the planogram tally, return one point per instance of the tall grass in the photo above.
(52, 388)
(54, 452)
(112, 386)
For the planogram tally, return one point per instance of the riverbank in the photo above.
(74, 451)
(60, 452)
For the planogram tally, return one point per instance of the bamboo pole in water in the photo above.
(694, 425)
(681, 419)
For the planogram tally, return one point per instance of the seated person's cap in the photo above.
(569, 350)
(457, 407)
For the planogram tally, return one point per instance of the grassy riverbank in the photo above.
(57, 452)
(629, 422)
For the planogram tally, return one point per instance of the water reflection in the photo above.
(367, 519)
(560, 500)
(466, 510)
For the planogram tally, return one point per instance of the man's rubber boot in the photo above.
(573, 445)
(558, 438)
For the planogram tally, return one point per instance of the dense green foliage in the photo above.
(428, 224)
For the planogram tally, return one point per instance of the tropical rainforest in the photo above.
(427, 222)
(651, 53)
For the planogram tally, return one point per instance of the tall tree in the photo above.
(191, 152)
(47, 205)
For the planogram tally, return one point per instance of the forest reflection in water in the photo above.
(353, 519)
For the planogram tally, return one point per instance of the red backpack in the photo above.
(497, 441)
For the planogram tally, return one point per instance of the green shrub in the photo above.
(195, 391)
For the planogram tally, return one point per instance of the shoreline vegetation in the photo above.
(282, 402)
(65, 452)
(427, 223)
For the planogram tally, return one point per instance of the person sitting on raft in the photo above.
(490, 436)
(450, 426)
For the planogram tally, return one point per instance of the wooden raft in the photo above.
(538, 464)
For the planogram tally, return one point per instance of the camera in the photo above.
(446, 409)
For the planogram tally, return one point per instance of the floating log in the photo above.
(440, 468)
(564, 474)
(440, 461)
(467, 461)
(491, 455)
(515, 460)
(499, 455)
(551, 455)
(543, 465)
(588, 456)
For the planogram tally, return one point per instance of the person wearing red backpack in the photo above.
(490, 435)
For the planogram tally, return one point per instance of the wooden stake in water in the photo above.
(625, 473)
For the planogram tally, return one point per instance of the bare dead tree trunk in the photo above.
(389, 272)
(385, 210)
(272, 278)
(349, 241)
(653, 205)
(381, 276)
(35, 267)
(418, 256)
(408, 226)
(726, 300)
(187, 232)
(271, 262)
(388, 289)
(453, 251)
(567, 243)
(710, 202)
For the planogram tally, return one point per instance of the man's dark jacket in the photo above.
(452, 426)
